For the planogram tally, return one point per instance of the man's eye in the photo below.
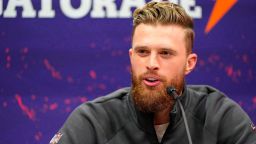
(142, 52)
(165, 53)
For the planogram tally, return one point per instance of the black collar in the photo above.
(145, 121)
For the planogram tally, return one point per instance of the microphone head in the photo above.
(171, 91)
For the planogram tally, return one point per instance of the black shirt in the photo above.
(212, 117)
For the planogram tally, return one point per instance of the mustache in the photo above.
(150, 73)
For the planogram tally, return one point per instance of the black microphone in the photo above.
(171, 91)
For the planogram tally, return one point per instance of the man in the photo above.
(161, 56)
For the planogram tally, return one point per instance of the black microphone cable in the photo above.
(172, 92)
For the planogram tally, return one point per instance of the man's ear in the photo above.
(130, 52)
(191, 63)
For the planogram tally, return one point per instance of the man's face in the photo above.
(158, 59)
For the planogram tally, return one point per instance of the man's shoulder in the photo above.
(103, 117)
(106, 110)
(204, 90)
(207, 101)
(210, 95)
(220, 115)
(111, 104)
(116, 95)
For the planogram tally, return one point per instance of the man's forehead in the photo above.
(163, 36)
(158, 31)
(170, 27)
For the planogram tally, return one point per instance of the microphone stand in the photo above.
(172, 92)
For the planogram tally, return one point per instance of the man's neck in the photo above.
(162, 117)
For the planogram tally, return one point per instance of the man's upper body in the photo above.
(113, 119)
(161, 56)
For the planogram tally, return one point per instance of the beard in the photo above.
(155, 99)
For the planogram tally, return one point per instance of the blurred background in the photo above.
(55, 55)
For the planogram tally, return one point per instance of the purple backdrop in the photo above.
(48, 66)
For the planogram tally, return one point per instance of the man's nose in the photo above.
(153, 63)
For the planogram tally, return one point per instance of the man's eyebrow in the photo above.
(140, 47)
(169, 50)
(159, 49)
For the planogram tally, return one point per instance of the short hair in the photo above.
(166, 13)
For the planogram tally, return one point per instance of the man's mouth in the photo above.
(151, 81)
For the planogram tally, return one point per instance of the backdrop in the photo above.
(55, 55)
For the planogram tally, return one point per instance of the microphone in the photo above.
(171, 91)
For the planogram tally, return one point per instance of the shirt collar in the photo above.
(145, 121)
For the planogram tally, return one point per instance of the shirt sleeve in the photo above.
(236, 127)
(77, 129)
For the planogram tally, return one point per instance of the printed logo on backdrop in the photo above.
(106, 9)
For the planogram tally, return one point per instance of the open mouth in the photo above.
(151, 81)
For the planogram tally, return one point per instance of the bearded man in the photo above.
(161, 56)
